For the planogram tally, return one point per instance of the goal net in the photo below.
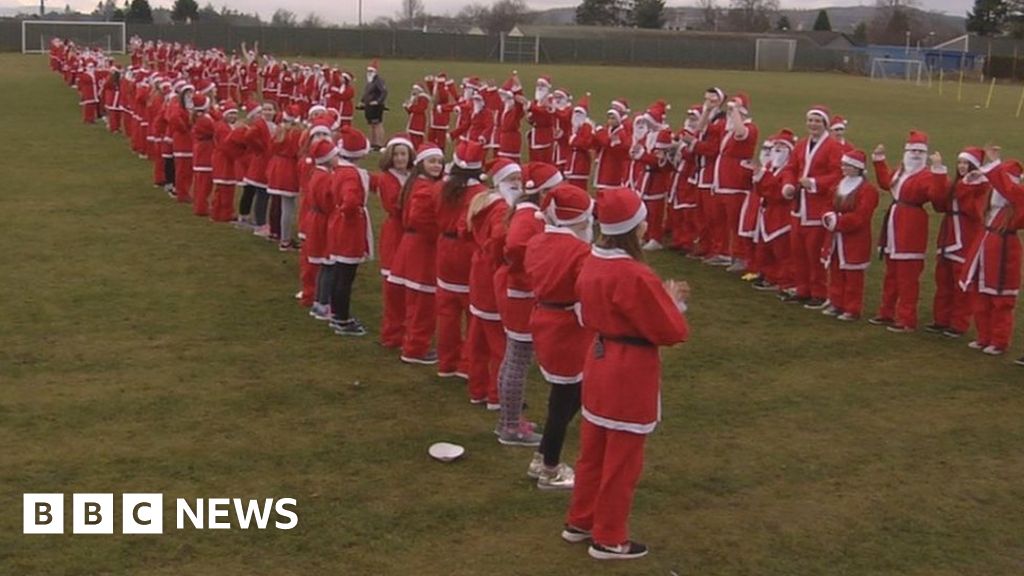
(106, 36)
(908, 70)
(774, 54)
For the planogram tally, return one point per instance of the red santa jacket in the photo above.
(455, 243)
(414, 264)
(349, 230)
(905, 229)
(553, 263)
(416, 107)
(580, 143)
(625, 304)
(961, 206)
(481, 125)
(542, 126)
(773, 212)
(612, 145)
(257, 142)
(993, 261)
(512, 287)
(850, 241)
(283, 167)
(707, 148)
(656, 180)
(685, 194)
(202, 143)
(822, 164)
(510, 137)
(319, 207)
(228, 147)
(733, 169)
(488, 229)
(388, 186)
(464, 112)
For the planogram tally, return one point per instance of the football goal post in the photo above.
(908, 70)
(517, 48)
(107, 36)
(774, 54)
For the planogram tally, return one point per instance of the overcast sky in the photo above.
(346, 11)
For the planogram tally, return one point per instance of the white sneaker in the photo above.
(561, 477)
(536, 467)
(975, 345)
(298, 295)
(493, 407)
(262, 231)
(992, 350)
(652, 244)
(737, 266)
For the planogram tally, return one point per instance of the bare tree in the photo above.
(752, 15)
(313, 20)
(709, 13)
(412, 14)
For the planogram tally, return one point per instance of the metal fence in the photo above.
(685, 51)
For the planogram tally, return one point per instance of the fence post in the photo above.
(501, 47)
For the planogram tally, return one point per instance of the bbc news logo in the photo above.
(144, 513)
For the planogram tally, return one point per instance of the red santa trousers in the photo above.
(993, 316)
(486, 347)
(846, 288)
(438, 136)
(543, 154)
(607, 472)
(706, 212)
(730, 206)
(685, 227)
(419, 323)
(89, 113)
(114, 120)
(452, 313)
(202, 185)
(183, 178)
(655, 220)
(307, 276)
(392, 320)
(900, 291)
(952, 306)
(808, 271)
(772, 260)
(223, 205)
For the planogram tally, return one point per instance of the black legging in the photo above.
(245, 204)
(563, 404)
(341, 294)
(169, 170)
(260, 215)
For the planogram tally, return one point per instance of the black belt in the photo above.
(556, 305)
(409, 231)
(452, 235)
(1001, 232)
(627, 340)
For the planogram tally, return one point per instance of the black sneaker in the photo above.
(626, 551)
(816, 304)
(351, 327)
(763, 285)
(880, 321)
(935, 328)
(1019, 361)
(575, 535)
(428, 359)
(952, 333)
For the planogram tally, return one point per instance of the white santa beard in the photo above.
(540, 94)
(912, 164)
(510, 192)
(779, 158)
(848, 184)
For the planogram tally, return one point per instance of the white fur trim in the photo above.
(616, 228)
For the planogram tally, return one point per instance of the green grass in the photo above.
(145, 350)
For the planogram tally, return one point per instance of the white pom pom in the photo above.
(484, 177)
(309, 160)
(540, 216)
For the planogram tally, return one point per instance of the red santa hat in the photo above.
(291, 113)
(916, 141)
(510, 87)
(566, 205)
(619, 210)
(742, 101)
(252, 109)
(972, 155)
(400, 139)
(353, 144)
(856, 158)
(562, 92)
(502, 168)
(323, 151)
(785, 136)
(205, 85)
(838, 122)
(1013, 169)
(316, 109)
(321, 127)
(200, 103)
(346, 75)
(541, 176)
(664, 140)
(695, 110)
(820, 112)
(656, 112)
(374, 65)
(469, 155)
(544, 80)
(621, 106)
(228, 107)
(583, 104)
(428, 150)
(418, 88)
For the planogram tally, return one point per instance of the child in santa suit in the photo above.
(444, 96)
(349, 229)
(749, 215)
(654, 186)
(992, 271)
(510, 119)
(707, 145)
(157, 124)
(632, 313)
(684, 197)
(481, 122)
(228, 147)
(87, 90)
(283, 177)
(396, 163)
(414, 265)
(416, 107)
(581, 140)
(112, 99)
(203, 129)
(847, 251)
(179, 123)
(553, 262)
(961, 206)
(904, 238)
(771, 237)
(309, 270)
(486, 220)
(320, 205)
(611, 141)
(454, 257)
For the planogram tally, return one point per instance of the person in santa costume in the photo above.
(581, 140)
(179, 122)
(416, 107)
(612, 142)
(732, 183)
(904, 238)
(203, 129)
(992, 267)
(228, 147)
(809, 180)
(344, 98)
(773, 221)
(631, 313)
(515, 301)
(454, 257)
(283, 177)
(112, 99)
(749, 213)
(960, 203)
(513, 109)
(553, 262)
(486, 221)
(847, 251)
(838, 130)
(684, 196)
(414, 266)
(318, 129)
(87, 90)
(463, 109)
(396, 163)
(654, 185)
(163, 166)
(481, 122)
(562, 108)
(707, 145)
(541, 116)
(320, 206)
(258, 132)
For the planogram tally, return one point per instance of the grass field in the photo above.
(145, 350)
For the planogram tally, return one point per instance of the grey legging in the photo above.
(512, 381)
(287, 217)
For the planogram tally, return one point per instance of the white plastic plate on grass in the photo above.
(446, 451)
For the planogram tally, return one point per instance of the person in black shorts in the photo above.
(375, 103)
